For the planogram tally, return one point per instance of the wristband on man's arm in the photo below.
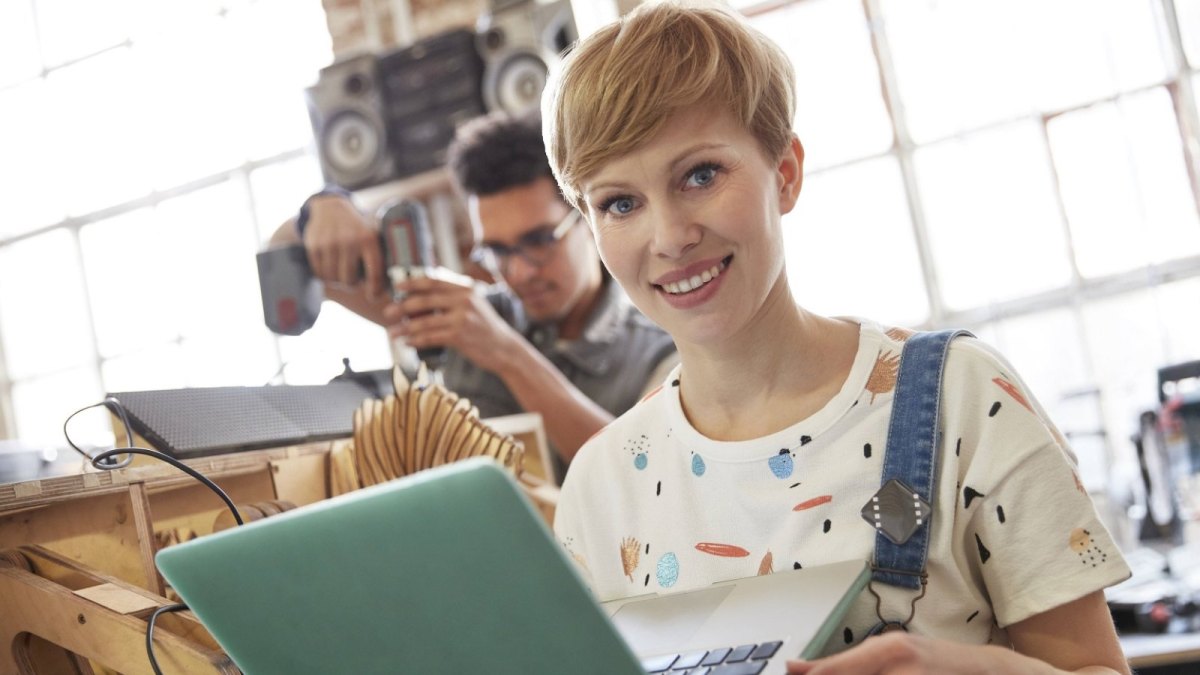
(305, 208)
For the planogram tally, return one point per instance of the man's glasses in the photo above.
(535, 247)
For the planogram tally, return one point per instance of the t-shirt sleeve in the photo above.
(1025, 524)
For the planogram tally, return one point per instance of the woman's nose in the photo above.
(675, 232)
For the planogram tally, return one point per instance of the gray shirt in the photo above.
(610, 363)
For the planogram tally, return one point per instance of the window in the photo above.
(840, 113)
(1124, 184)
(829, 269)
(993, 222)
(147, 150)
(1026, 169)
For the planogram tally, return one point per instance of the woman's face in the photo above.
(688, 223)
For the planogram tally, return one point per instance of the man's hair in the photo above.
(619, 86)
(497, 152)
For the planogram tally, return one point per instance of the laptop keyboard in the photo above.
(743, 660)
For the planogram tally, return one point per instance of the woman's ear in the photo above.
(791, 174)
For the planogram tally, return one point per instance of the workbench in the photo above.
(77, 573)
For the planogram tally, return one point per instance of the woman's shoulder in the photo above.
(972, 360)
(967, 354)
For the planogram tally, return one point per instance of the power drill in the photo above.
(292, 295)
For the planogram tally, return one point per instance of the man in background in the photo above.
(559, 337)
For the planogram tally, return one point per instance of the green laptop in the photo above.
(452, 571)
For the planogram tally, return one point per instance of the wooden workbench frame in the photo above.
(78, 578)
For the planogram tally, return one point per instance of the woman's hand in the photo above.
(900, 653)
(1075, 637)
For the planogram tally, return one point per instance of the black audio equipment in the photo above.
(430, 89)
(197, 422)
(347, 110)
(379, 118)
(518, 41)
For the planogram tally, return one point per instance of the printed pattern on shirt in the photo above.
(1011, 522)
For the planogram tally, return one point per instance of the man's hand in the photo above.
(340, 241)
(444, 309)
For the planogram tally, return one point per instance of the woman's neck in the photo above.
(784, 367)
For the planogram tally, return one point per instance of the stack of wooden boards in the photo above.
(421, 425)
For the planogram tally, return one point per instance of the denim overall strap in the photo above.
(911, 454)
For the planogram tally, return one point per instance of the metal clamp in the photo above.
(886, 626)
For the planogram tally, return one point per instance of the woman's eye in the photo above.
(702, 176)
(618, 205)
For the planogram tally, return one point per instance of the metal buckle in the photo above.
(889, 626)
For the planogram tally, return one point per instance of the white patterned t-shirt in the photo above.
(651, 505)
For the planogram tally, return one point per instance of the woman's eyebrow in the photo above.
(671, 167)
(699, 147)
(588, 189)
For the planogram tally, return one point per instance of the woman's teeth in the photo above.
(688, 285)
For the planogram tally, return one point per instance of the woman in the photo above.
(671, 131)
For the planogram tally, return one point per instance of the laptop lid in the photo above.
(446, 571)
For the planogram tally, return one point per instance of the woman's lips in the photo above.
(692, 277)
(693, 285)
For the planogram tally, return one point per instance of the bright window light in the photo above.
(43, 405)
(97, 112)
(44, 322)
(29, 167)
(279, 189)
(963, 64)
(19, 58)
(840, 113)
(1188, 13)
(211, 243)
(131, 281)
(316, 357)
(850, 246)
(994, 223)
(73, 29)
(1124, 184)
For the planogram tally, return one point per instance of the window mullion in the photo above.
(1060, 205)
(904, 149)
(8, 417)
(1183, 96)
(88, 321)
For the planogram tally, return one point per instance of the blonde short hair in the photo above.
(619, 86)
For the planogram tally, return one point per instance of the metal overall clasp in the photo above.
(884, 625)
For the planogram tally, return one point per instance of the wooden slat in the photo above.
(146, 547)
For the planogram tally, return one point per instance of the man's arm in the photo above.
(337, 236)
(570, 417)
(339, 241)
(447, 311)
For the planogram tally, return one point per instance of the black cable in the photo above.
(114, 406)
(150, 632)
(101, 461)
(134, 450)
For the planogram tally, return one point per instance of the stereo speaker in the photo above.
(519, 41)
(347, 110)
(379, 118)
